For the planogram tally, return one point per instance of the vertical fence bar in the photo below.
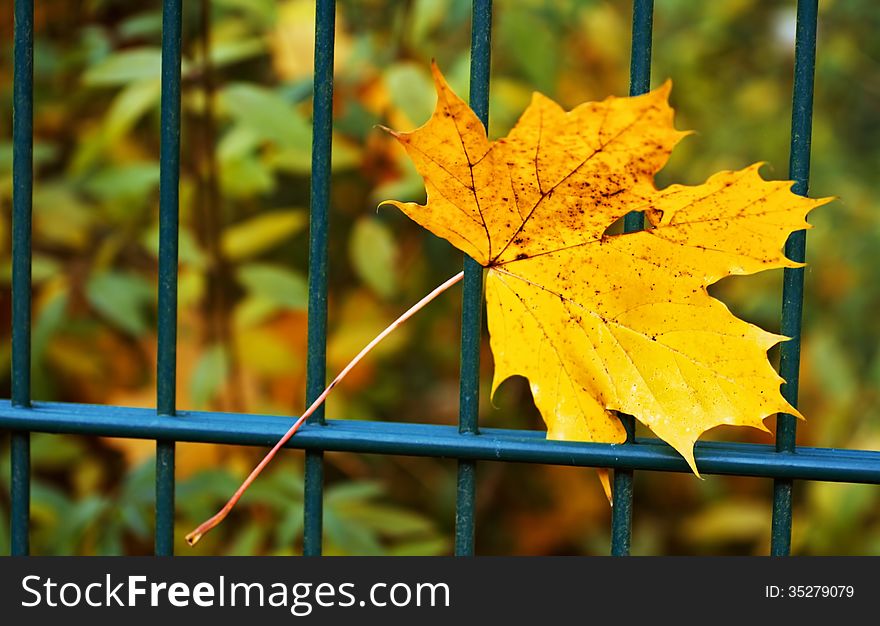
(472, 297)
(639, 83)
(22, 194)
(316, 374)
(169, 188)
(795, 249)
(20, 494)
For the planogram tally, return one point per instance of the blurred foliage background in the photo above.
(244, 189)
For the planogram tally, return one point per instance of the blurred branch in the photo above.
(210, 223)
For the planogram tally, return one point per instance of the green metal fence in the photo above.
(467, 443)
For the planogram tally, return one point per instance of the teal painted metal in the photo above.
(316, 367)
(639, 83)
(492, 444)
(20, 493)
(795, 249)
(465, 505)
(169, 200)
(22, 196)
(313, 502)
(472, 298)
(640, 58)
(622, 509)
(169, 191)
(165, 487)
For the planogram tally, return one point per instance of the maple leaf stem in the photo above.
(194, 537)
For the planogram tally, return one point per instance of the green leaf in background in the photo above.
(125, 182)
(261, 233)
(387, 520)
(189, 251)
(246, 542)
(538, 45)
(352, 491)
(55, 452)
(240, 141)
(345, 156)
(199, 495)
(50, 318)
(431, 546)
(409, 185)
(191, 286)
(411, 90)
(128, 107)
(42, 153)
(61, 217)
(209, 374)
(373, 253)
(358, 524)
(269, 494)
(73, 531)
(726, 522)
(283, 286)
(290, 526)
(252, 310)
(427, 16)
(235, 50)
(263, 10)
(124, 67)
(142, 25)
(135, 502)
(133, 519)
(268, 115)
(123, 298)
(345, 537)
(42, 269)
(245, 177)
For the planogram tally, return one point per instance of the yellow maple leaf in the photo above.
(596, 322)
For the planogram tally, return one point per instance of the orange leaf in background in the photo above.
(598, 322)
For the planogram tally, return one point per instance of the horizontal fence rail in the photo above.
(828, 464)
